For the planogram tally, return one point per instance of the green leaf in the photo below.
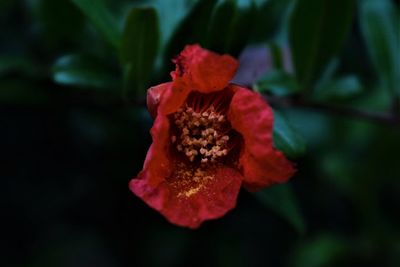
(192, 29)
(280, 199)
(286, 138)
(230, 27)
(340, 88)
(140, 43)
(277, 82)
(379, 22)
(242, 29)
(270, 18)
(276, 56)
(172, 12)
(101, 18)
(76, 70)
(317, 31)
(222, 26)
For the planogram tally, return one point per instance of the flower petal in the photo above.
(173, 98)
(165, 98)
(203, 70)
(154, 96)
(189, 196)
(157, 164)
(261, 163)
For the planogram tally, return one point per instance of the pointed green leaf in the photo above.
(242, 25)
(281, 200)
(269, 18)
(84, 72)
(339, 88)
(277, 82)
(380, 27)
(317, 31)
(139, 48)
(172, 12)
(286, 138)
(193, 28)
(221, 27)
(229, 27)
(101, 18)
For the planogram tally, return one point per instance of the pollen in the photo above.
(190, 181)
(201, 135)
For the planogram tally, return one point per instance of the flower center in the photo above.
(201, 134)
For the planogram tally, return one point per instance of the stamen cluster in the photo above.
(201, 134)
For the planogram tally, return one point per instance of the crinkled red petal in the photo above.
(154, 96)
(261, 163)
(190, 199)
(173, 98)
(165, 98)
(203, 70)
(157, 164)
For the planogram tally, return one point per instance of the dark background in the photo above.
(74, 131)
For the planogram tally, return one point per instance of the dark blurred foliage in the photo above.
(74, 131)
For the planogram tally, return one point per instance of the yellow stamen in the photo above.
(199, 134)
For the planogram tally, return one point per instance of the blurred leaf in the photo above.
(286, 138)
(221, 26)
(322, 251)
(172, 12)
(193, 28)
(335, 166)
(381, 33)
(139, 48)
(280, 199)
(97, 12)
(242, 29)
(79, 71)
(277, 82)
(276, 55)
(269, 17)
(340, 88)
(328, 74)
(314, 127)
(316, 35)
(230, 26)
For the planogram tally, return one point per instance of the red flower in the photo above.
(209, 137)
